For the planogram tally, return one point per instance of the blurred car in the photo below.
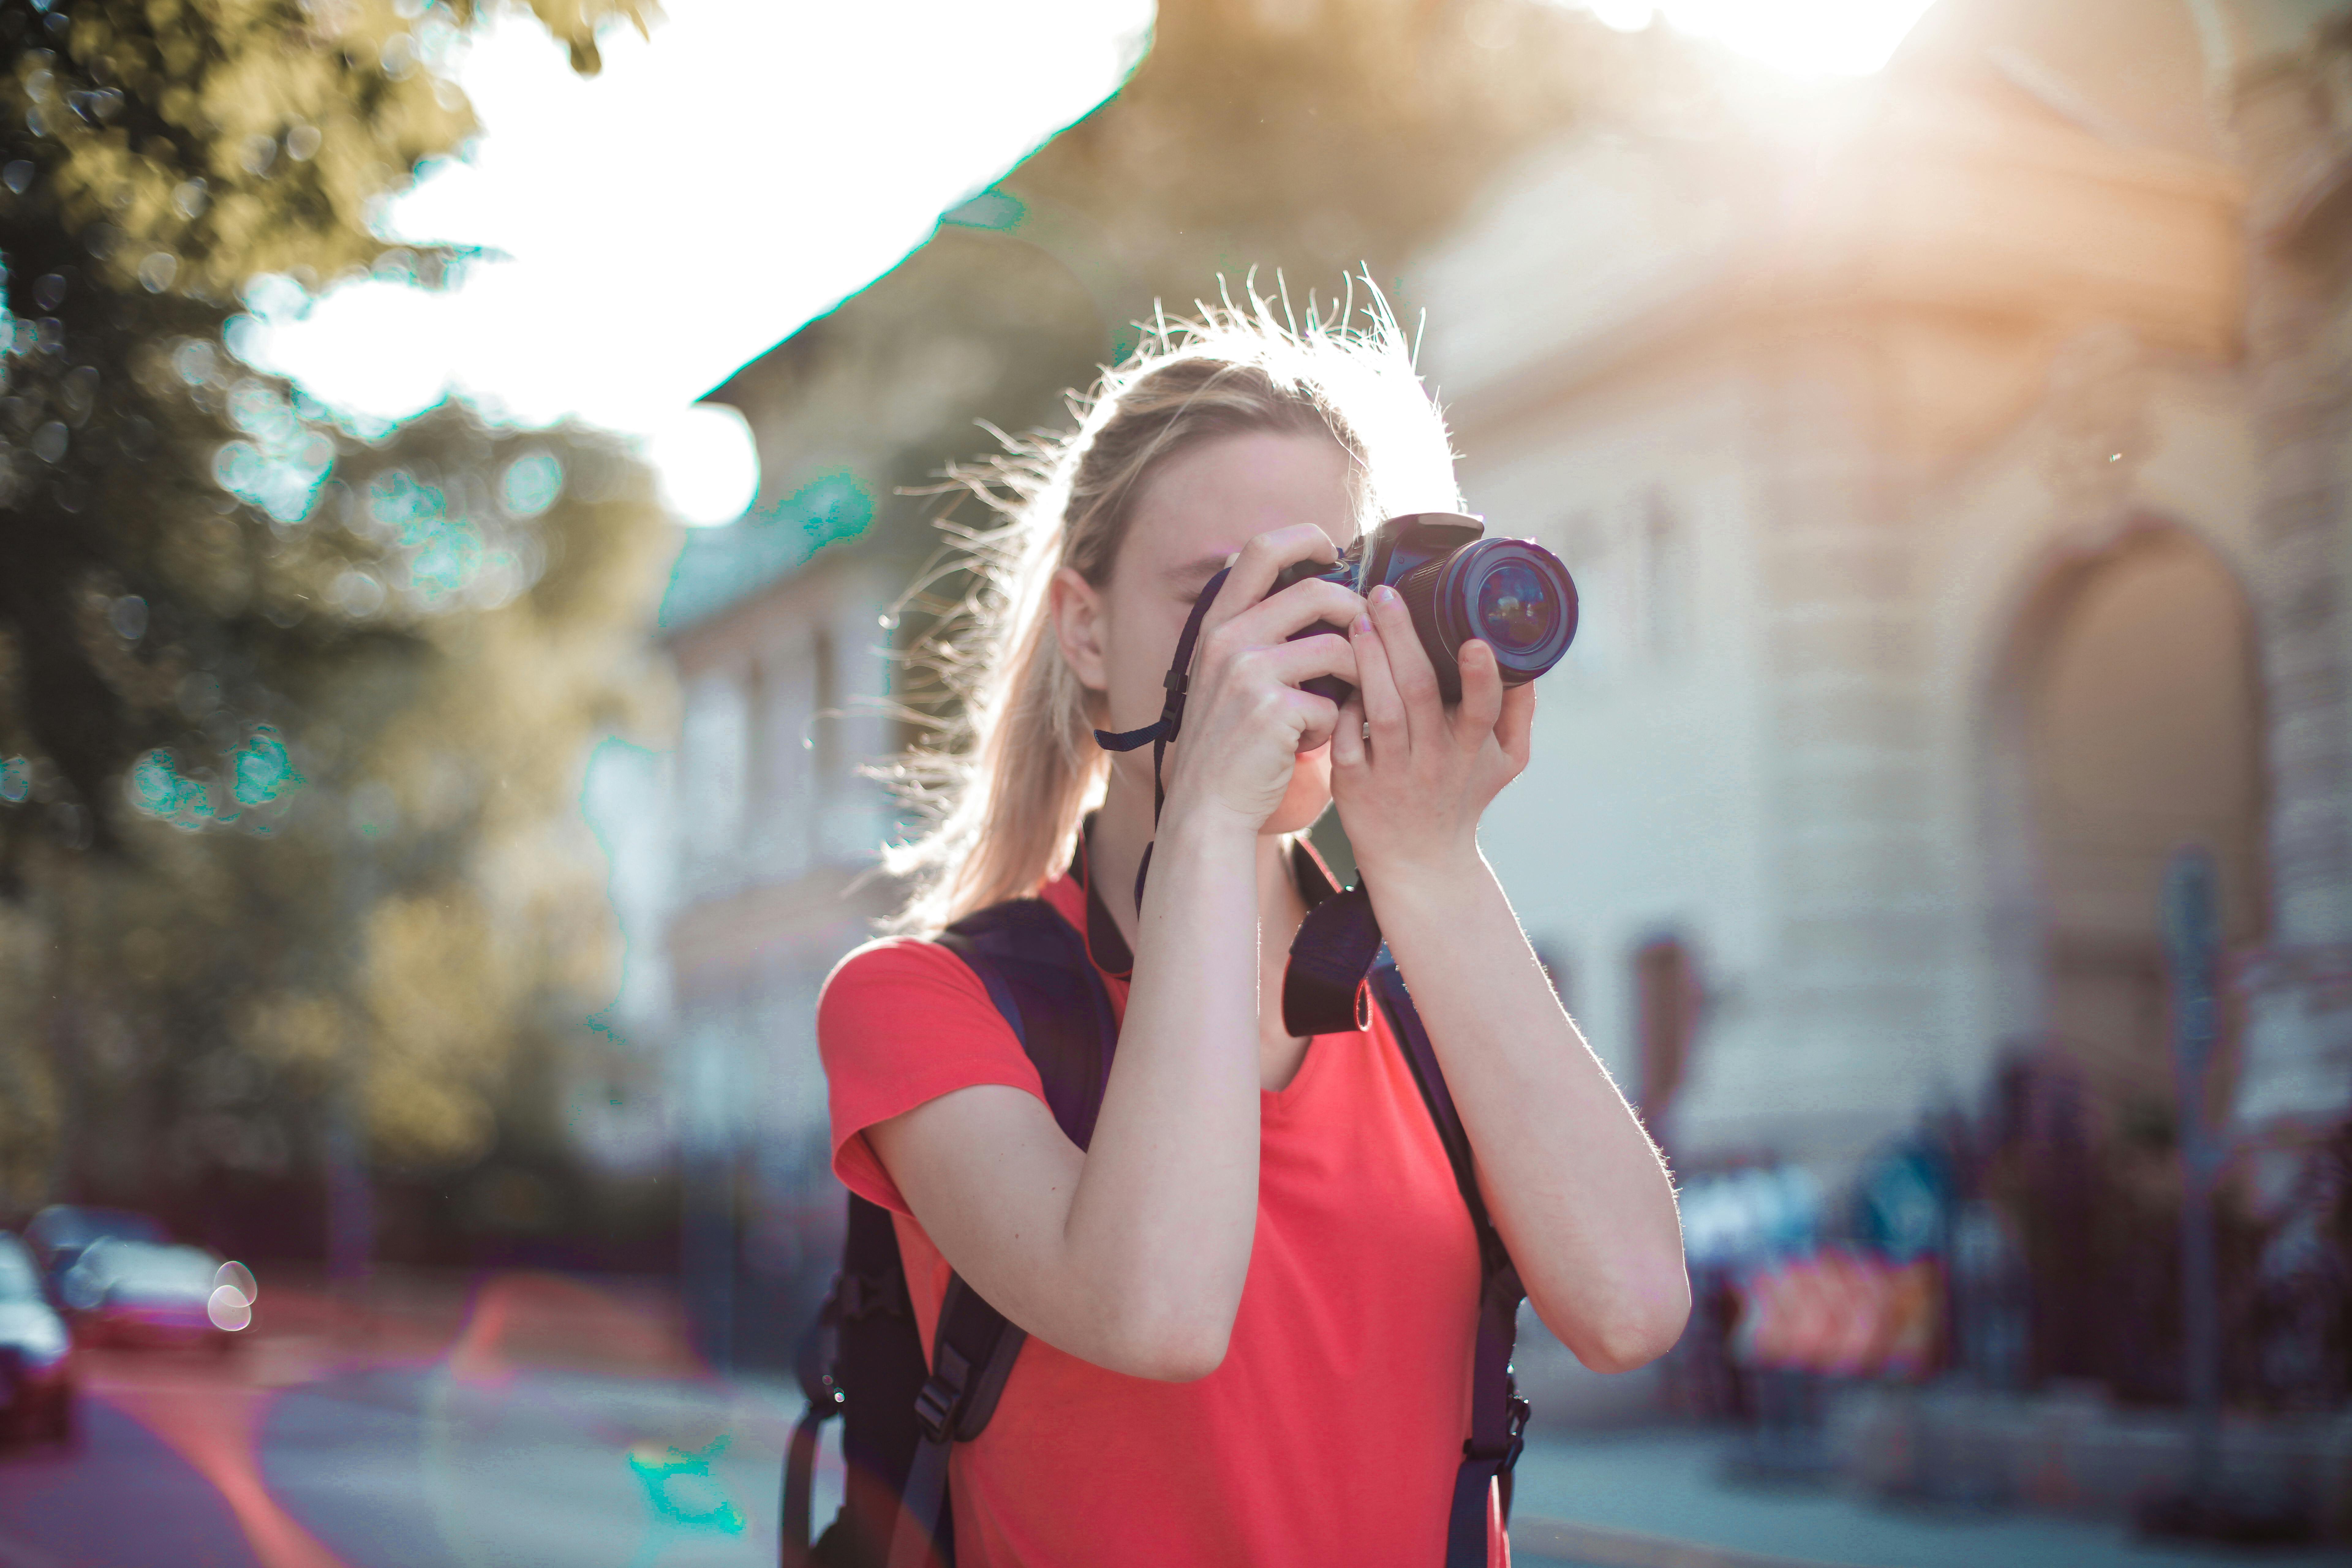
(60, 1233)
(36, 1382)
(117, 1280)
(122, 1292)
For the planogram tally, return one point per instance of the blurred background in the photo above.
(465, 470)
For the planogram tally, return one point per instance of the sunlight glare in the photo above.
(1804, 37)
(646, 231)
(709, 468)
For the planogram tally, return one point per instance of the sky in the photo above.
(708, 192)
(652, 228)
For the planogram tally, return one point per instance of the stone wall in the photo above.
(2294, 122)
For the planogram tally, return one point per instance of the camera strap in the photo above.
(1323, 983)
(1163, 730)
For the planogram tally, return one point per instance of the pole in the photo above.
(351, 1196)
(2192, 932)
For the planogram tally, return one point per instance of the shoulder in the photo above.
(903, 987)
(902, 1022)
(880, 968)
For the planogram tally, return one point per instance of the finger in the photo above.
(1482, 694)
(1376, 686)
(1516, 729)
(1256, 563)
(1409, 666)
(1297, 607)
(1318, 724)
(1293, 662)
(1347, 737)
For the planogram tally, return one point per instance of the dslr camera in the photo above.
(1511, 593)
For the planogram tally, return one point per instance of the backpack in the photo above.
(864, 1361)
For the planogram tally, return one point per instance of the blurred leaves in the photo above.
(261, 669)
(427, 902)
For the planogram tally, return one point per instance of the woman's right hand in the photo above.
(1245, 720)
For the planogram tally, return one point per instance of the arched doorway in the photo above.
(2126, 722)
(2136, 714)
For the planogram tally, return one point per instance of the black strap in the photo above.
(1161, 730)
(1498, 1416)
(1322, 986)
(800, 1469)
(972, 1354)
(1042, 979)
(862, 1349)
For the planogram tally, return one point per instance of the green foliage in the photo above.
(397, 896)
(156, 157)
(291, 710)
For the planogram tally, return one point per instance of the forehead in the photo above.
(1211, 499)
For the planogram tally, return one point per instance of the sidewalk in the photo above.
(1659, 1501)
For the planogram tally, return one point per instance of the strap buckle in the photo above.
(1504, 1456)
(856, 1296)
(941, 1402)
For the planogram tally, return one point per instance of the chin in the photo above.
(1309, 794)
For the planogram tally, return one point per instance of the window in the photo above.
(1667, 998)
(714, 744)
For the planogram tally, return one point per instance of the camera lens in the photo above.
(1511, 593)
(1516, 609)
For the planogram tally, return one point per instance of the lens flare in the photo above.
(1516, 610)
(227, 1309)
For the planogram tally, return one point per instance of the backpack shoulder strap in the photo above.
(1043, 984)
(1498, 1416)
(1038, 973)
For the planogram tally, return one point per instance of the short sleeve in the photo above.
(899, 1023)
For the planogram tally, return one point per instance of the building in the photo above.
(1953, 467)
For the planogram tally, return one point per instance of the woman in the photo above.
(1252, 1300)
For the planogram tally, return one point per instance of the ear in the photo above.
(1077, 610)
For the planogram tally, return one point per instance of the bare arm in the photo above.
(1132, 1254)
(1573, 1182)
(1128, 1254)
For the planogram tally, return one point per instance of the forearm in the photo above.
(1574, 1184)
(1161, 1222)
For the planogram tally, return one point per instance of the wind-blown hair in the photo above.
(1005, 785)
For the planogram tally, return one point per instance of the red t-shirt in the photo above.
(1332, 1432)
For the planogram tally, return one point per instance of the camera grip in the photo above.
(1330, 686)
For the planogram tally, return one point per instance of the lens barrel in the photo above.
(1511, 593)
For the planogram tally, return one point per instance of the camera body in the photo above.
(1511, 593)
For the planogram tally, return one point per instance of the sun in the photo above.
(1804, 38)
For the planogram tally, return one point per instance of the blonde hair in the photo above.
(1006, 786)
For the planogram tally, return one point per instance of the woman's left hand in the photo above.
(1411, 794)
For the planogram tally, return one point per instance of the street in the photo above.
(190, 1462)
(536, 1422)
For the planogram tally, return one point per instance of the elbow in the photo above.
(1168, 1339)
(1637, 1332)
(1173, 1347)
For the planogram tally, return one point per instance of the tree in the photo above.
(385, 908)
(157, 157)
(291, 710)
